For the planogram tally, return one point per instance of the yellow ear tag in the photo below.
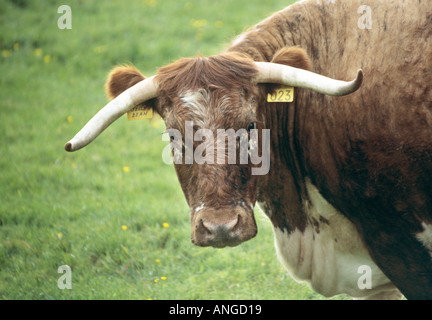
(281, 94)
(139, 113)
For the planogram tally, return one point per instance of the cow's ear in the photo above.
(120, 79)
(292, 56)
(123, 77)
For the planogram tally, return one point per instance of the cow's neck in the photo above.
(261, 42)
(282, 190)
(307, 226)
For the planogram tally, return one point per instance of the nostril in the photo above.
(236, 227)
(204, 228)
(230, 225)
(220, 229)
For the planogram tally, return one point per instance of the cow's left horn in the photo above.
(138, 93)
(269, 72)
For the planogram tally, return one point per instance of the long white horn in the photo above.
(278, 73)
(138, 93)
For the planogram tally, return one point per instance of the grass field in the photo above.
(113, 212)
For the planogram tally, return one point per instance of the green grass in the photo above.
(59, 208)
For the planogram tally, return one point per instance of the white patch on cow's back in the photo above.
(325, 1)
(319, 2)
(328, 260)
(425, 237)
(262, 25)
(239, 39)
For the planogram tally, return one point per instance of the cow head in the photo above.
(206, 97)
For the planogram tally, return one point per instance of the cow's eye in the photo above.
(170, 134)
(251, 126)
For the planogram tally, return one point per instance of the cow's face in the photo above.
(213, 110)
(209, 119)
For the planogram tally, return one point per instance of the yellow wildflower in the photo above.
(60, 235)
(126, 169)
(165, 225)
(47, 58)
(198, 23)
(6, 53)
(157, 261)
(151, 3)
(163, 278)
(69, 119)
(100, 49)
(124, 227)
(38, 52)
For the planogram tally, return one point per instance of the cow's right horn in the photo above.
(282, 74)
(138, 93)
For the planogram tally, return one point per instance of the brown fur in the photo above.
(292, 56)
(216, 72)
(367, 153)
(122, 78)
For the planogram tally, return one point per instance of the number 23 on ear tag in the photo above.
(281, 94)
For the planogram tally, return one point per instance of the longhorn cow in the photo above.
(350, 179)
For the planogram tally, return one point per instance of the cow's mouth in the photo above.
(222, 227)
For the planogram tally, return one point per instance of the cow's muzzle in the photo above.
(221, 227)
